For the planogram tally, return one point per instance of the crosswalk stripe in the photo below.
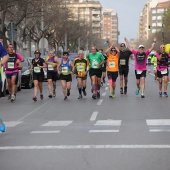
(57, 123)
(105, 131)
(108, 123)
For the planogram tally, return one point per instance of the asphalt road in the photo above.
(124, 133)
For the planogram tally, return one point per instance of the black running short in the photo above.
(124, 71)
(142, 74)
(52, 75)
(161, 74)
(96, 72)
(39, 77)
(112, 75)
(67, 78)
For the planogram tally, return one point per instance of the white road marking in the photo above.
(44, 132)
(105, 131)
(93, 117)
(104, 94)
(108, 123)
(12, 123)
(57, 123)
(106, 88)
(159, 130)
(64, 147)
(158, 122)
(33, 111)
(99, 102)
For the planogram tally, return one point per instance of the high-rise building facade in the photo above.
(110, 25)
(151, 17)
(89, 11)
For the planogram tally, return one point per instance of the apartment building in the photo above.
(151, 17)
(156, 14)
(110, 25)
(89, 11)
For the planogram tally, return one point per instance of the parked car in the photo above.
(26, 74)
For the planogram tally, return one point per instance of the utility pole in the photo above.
(65, 36)
(42, 28)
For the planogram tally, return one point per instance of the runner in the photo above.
(37, 66)
(52, 64)
(5, 57)
(80, 64)
(154, 61)
(162, 70)
(103, 68)
(19, 68)
(113, 55)
(12, 67)
(124, 67)
(95, 60)
(67, 70)
(140, 65)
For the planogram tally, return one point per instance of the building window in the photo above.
(153, 17)
(153, 11)
(153, 24)
(159, 17)
(153, 31)
(160, 10)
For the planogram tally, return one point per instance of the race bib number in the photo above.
(122, 62)
(139, 72)
(80, 73)
(164, 71)
(80, 68)
(94, 64)
(37, 70)
(112, 64)
(50, 67)
(10, 64)
(64, 70)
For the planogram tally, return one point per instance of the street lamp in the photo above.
(162, 34)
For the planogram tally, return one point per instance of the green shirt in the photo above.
(154, 60)
(95, 59)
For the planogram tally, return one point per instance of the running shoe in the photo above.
(54, 93)
(9, 97)
(165, 94)
(110, 95)
(12, 98)
(104, 81)
(50, 96)
(113, 95)
(94, 96)
(121, 90)
(34, 98)
(142, 96)
(2, 126)
(84, 92)
(80, 96)
(160, 94)
(41, 96)
(98, 95)
(101, 85)
(65, 98)
(68, 92)
(125, 90)
(137, 91)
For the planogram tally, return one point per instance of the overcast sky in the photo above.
(128, 13)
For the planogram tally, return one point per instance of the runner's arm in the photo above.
(128, 45)
(153, 45)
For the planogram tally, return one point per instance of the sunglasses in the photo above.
(162, 47)
(122, 46)
(141, 48)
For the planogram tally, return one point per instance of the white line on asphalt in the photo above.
(104, 94)
(108, 123)
(33, 111)
(100, 102)
(85, 147)
(57, 123)
(105, 131)
(158, 122)
(159, 130)
(106, 88)
(93, 117)
(44, 132)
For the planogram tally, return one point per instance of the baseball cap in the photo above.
(141, 46)
(37, 52)
(122, 44)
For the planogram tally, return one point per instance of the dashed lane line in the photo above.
(99, 102)
(94, 115)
